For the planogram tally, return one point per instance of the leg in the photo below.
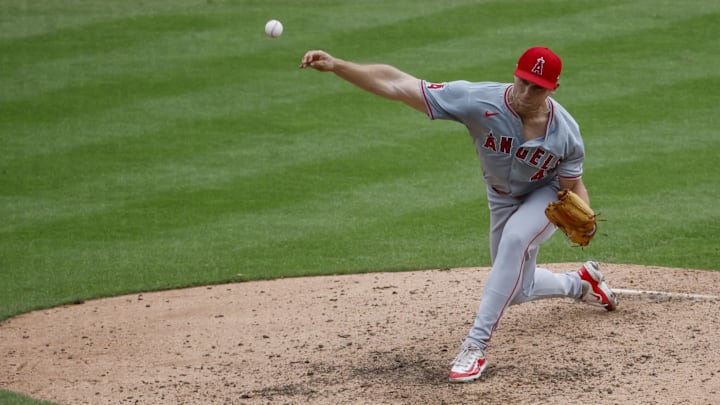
(518, 228)
(516, 231)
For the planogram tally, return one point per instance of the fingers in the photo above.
(308, 59)
(315, 59)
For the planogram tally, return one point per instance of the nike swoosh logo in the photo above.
(490, 114)
(598, 297)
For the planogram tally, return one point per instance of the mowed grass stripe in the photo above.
(99, 38)
(154, 87)
(142, 31)
(661, 118)
(143, 42)
(626, 69)
(237, 193)
(68, 159)
(453, 24)
(576, 32)
(196, 138)
(32, 19)
(118, 88)
(651, 203)
(192, 155)
(413, 24)
(452, 234)
(212, 251)
(79, 189)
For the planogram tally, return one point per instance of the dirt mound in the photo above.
(371, 338)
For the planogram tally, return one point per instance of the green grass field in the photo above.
(153, 144)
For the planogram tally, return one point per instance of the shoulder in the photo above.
(563, 119)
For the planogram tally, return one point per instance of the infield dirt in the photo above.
(370, 339)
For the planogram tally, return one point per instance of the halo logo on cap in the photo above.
(537, 69)
(541, 66)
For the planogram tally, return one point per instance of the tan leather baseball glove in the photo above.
(573, 216)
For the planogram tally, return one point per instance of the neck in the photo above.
(528, 111)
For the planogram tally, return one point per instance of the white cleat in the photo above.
(595, 291)
(469, 364)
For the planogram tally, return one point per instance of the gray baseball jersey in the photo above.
(513, 168)
(510, 165)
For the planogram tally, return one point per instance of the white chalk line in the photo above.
(664, 294)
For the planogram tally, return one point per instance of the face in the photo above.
(529, 95)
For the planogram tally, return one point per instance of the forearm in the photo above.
(382, 80)
(377, 79)
(577, 187)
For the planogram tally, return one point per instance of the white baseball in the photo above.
(274, 28)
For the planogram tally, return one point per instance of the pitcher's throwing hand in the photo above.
(319, 60)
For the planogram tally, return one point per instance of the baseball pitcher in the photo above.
(531, 154)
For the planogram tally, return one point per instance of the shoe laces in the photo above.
(469, 355)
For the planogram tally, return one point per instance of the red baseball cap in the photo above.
(541, 66)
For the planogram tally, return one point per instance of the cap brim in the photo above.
(547, 84)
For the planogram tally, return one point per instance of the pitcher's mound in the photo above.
(372, 338)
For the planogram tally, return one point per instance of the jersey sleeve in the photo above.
(446, 101)
(571, 166)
